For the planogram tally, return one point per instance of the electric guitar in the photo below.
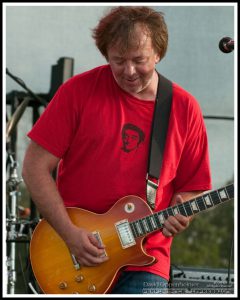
(122, 230)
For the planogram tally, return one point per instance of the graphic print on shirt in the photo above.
(132, 137)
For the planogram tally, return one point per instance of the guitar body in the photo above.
(52, 263)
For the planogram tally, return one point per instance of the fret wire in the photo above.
(132, 229)
(165, 214)
(145, 225)
(149, 223)
(223, 194)
(230, 191)
(174, 208)
(139, 228)
(215, 197)
(135, 228)
(191, 207)
(157, 220)
(208, 199)
(153, 222)
(170, 211)
(200, 203)
(193, 204)
(227, 192)
(161, 217)
(141, 225)
(188, 208)
(182, 210)
(203, 202)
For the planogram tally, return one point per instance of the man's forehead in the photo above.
(138, 39)
(135, 48)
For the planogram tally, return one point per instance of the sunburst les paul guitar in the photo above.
(122, 230)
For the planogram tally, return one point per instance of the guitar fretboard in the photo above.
(148, 224)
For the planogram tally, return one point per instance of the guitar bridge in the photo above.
(99, 239)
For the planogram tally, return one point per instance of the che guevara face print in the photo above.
(132, 137)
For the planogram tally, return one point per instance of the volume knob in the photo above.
(62, 285)
(92, 288)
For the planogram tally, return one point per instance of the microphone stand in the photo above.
(13, 192)
(20, 82)
(13, 183)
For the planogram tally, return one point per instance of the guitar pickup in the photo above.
(99, 239)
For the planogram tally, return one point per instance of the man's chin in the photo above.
(133, 90)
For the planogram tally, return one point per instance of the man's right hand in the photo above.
(85, 247)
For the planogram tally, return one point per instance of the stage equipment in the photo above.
(190, 280)
(21, 221)
(62, 71)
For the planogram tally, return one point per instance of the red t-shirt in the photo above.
(102, 134)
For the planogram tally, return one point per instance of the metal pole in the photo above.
(13, 183)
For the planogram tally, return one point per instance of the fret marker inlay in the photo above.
(207, 200)
(223, 194)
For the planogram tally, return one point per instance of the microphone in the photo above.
(226, 44)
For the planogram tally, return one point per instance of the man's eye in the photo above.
(119, 62)
(140, 60)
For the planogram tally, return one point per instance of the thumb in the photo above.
(95, 241)
(179, 199)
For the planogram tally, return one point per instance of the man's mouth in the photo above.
(131, 79)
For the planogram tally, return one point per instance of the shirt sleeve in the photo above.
(55, 128)
(193, 172)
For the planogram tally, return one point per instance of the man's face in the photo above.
(130, 140)
(134, 69)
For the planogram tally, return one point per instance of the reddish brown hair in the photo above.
(118, 25)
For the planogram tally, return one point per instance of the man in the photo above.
(93, 170)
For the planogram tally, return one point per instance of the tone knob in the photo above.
(92, 288)
(62, 285)
(79, 278)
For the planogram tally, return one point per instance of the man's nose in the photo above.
(129, 68)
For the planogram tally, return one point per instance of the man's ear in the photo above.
(157, 59)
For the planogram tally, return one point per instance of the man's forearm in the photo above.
(45, 195)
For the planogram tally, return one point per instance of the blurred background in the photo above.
(41, 40)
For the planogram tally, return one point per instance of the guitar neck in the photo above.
(150, 223)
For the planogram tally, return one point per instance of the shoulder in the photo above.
(87, 76)
(84, 83)
(182, 94)
(183, 100)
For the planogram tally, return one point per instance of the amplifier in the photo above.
(190, 280)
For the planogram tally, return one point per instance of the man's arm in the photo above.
(176, 224)
(37, 171)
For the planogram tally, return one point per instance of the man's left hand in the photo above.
(176, 224)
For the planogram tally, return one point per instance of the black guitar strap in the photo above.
(158, 136)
